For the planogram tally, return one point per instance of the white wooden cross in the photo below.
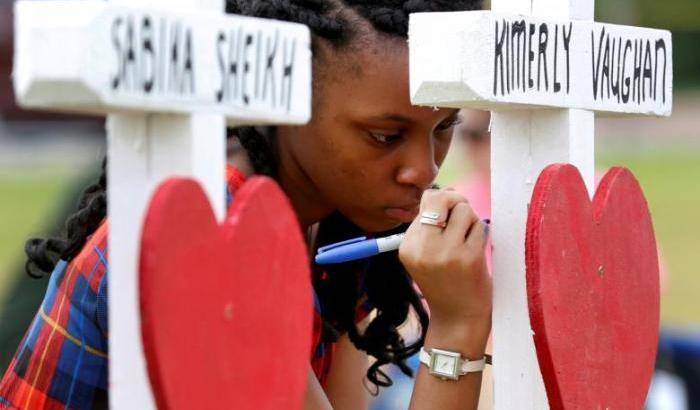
(543, 67)
(169, 75)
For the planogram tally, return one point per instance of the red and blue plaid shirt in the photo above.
(62, 360)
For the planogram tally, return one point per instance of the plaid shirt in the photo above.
(62, 360)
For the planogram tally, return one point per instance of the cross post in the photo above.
(543, 67)
(169, 76)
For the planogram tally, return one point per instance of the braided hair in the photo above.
(44, 253)
(389, 288)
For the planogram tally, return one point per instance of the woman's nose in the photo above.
(419, 167)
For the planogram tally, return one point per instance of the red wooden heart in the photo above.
(593, 289)
(226, 310)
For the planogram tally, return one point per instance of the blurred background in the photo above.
(46, 159)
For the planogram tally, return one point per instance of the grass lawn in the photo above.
(28, 197)
(670, 178)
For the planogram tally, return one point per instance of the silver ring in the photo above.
(430, 215)
(431, 218)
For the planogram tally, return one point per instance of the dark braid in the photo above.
(309, 12)
(389, 288)
(260, 149)
(43, 254)
(392, 16)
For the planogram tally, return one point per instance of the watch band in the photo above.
(465, 366)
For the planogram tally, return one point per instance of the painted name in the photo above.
(521, 57)
(628, 70)
(154, 56)
(256, 67)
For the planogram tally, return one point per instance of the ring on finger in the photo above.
(433, 222)
(430, 215)
(432, 218)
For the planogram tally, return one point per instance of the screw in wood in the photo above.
(228, 311)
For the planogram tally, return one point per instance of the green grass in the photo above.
(670, 179)
(27, 199)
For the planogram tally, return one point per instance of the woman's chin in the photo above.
(379, 225)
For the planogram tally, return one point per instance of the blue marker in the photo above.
(357, 248)
(360, 248)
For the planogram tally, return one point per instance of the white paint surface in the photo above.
(466, 71)
(530, 129)
(80, 63)
(67, 59)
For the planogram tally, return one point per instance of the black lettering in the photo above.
(660, 45)
(637, 77)
(605, 80)
(518, 37)
(174, 79)
(246, 69)
(530, 56)
(117, 45)
(567, 43)
(646, 75)
(269, 78)
(188, 70)
(596, 62)
(615, 75)
(542, 56)
(130, 69)
(557, 84)
(147, 56)
(221, 40)
(498, 60)
(287, 74)
(627, 79)
(508, 68)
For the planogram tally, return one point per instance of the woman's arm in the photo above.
(431, 392)
(344, 386)
(315, 398)
(448, 264)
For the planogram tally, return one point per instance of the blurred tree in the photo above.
(677, 15)
(619, 12)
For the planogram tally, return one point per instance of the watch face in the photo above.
(444, 365)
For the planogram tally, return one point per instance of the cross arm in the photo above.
(100, 58)
(490, 60)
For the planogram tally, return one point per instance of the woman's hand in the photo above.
(449, 264)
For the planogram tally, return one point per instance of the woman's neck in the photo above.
(306, 200)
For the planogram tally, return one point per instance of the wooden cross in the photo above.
(543, 67)
(169, 76)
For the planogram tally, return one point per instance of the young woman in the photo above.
(364, 163)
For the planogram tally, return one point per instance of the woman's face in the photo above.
(367, 151)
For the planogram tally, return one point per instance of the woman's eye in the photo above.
(448, 125)
(385, 138)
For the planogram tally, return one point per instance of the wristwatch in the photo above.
(449, 365)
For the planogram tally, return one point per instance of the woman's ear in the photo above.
(237, 156)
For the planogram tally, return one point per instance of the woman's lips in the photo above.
(402, 214)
